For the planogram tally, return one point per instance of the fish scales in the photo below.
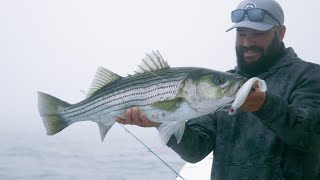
(139, 90)
(122, 86)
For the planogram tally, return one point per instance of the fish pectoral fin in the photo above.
(103, 130)
(169, 105)
(166, 130)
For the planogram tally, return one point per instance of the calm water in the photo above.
(78, 153)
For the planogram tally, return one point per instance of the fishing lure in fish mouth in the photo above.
(244, 91)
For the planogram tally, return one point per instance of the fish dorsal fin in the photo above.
(102, 77)
(152, 61)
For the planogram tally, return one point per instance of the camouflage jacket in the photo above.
(280, 141)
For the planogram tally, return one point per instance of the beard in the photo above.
(268, 58)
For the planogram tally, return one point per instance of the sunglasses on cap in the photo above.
(255, 14)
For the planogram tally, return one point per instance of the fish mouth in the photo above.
(231, 88)
(237, 86)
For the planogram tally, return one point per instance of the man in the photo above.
(277, 133)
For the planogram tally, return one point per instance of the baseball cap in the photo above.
(274, 15)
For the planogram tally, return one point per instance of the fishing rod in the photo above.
(127, 130)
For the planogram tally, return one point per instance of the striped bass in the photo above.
(169, 96)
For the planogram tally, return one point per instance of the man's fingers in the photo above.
(120, 120)
(128, 116)
(254, 101)
(135, 115)
(144, 120)
(143, 117)
(131, 116)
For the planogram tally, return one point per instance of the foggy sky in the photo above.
(55, 46)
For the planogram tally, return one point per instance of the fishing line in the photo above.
(151, 151)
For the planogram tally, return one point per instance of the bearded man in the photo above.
(276, 136)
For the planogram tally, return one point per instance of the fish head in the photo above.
(218, 85)
(204, 88)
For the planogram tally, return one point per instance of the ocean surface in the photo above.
(77, 153)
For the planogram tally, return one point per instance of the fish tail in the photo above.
(49, 108)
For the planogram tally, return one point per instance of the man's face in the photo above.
(253, 44)
(256, 49)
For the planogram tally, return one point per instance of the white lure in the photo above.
(243, 93)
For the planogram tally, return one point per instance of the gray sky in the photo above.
(55, 46)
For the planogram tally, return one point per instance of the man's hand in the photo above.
(254, 100)
(135, 117)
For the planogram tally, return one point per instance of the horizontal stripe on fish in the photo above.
(121, 88)
(136, 88)
(139, 99)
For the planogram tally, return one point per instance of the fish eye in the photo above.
(218, 81)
